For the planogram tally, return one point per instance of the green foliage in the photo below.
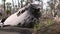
(38, 26)
(49, 22)
(41, 24)
(8, 3)
(8, 11)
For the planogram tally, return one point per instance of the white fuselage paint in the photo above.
(14, 19)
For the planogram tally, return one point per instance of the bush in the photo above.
(38, 26)
(47, 23)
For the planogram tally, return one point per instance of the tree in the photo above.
(18, 4)
(22, 3)
(57, 4)
(13, 3)
(4, 7)
(31, 1)
(8, 11)
(8, 5)
(52, 6)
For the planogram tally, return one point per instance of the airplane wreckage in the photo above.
(27, 16)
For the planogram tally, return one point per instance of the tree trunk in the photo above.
(13, 3)
(18, 4)
(21, 3)
(31, 1)
(4, 9)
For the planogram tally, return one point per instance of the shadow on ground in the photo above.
(15, 30)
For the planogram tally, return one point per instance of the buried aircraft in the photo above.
(27, 16)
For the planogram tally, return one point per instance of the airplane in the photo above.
(27, 16)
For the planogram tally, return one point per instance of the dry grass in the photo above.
(44, 23)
